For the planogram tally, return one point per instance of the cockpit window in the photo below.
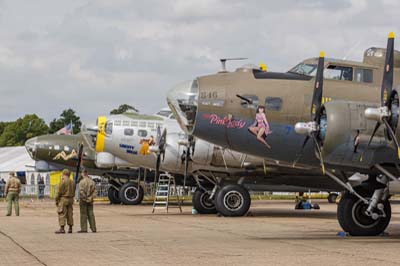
(363, 75)
(338, 73)
(304, 69)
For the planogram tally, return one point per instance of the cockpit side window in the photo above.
(109, 128)
(338, 73)
(128, 132)
(363, 75)
(142, 133)
(273, 103)
(246, 104)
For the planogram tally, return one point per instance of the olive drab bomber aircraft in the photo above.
(149, 142)
(352, 109)
(56, 152)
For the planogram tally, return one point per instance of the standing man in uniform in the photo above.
(12, 190)
(87, 191)
(64, 202)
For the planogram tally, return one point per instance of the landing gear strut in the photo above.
(232, 200)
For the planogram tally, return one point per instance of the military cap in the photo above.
(66, 172)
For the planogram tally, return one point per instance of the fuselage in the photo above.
(214, 107)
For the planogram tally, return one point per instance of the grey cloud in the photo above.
(95, 55)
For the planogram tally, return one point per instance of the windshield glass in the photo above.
(304, 69)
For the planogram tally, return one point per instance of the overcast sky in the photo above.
(94, 55)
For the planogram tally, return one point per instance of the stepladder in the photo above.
(162, 198)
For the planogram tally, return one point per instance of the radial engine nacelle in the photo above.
(341, 123)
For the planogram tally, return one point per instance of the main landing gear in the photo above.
(232, 200)
(203, 202)
(365, 209)
(229, 200)
(354, 218)
(129, 193)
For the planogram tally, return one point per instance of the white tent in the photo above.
(15, 159)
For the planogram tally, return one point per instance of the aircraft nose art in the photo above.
(182, 100)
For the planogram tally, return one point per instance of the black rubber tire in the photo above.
(350, 214)
(202, 204)
(232, 200)
(332, 197)
(113, 195)
(131, 194)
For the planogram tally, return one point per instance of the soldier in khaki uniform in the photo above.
(87, 191)
(64, 202)
(12, 190)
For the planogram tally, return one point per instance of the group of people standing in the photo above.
(64, 200)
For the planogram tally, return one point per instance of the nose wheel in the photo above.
(233, 200)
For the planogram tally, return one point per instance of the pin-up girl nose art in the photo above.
(260, 128)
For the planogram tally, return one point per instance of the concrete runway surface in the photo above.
(273, 234)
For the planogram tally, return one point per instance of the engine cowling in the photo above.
(340, 122)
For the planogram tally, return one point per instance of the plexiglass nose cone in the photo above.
(182, 100)
(30, 146)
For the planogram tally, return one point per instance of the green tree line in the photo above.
(16, 133)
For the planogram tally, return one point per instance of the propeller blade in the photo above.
(301, 151)
(163, 140)
(158, 134)
(370, 139)
(319, 152)
(387, 82)
(78, 164)
(392, 135)
(187, 157)
(318, 87)
(157, 170)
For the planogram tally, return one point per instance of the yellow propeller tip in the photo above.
(391, 35)
(398, 153)
(322, 54)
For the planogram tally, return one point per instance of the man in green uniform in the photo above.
(12, 190)
(64, 202)
(87, 191)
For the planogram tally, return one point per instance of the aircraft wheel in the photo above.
(113, 195)
(352, 218)
(332, 197)
(202, 203)
(233, 200)
(131, 194)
